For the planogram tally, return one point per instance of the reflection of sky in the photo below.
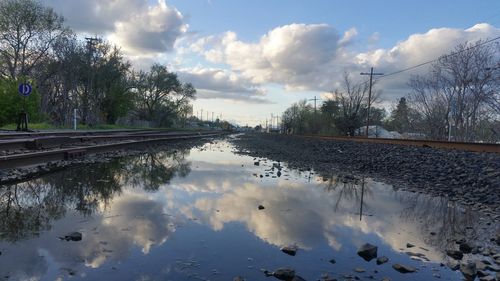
(207, 225)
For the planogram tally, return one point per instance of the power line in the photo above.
(431, 61)
(441, 57)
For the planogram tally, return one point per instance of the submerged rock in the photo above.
(368, 252)
(261, 207)
(382, 260)
(72, 236)
(284, 273)
(404, 268)
(290, 250)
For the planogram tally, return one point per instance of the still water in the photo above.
(192, 214)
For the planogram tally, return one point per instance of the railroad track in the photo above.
(22, 152)
(466, 146)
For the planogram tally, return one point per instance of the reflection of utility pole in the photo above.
(362, 194)
(369, 96)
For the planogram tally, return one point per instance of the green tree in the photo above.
(27, 32)
(400, 119)
(161, 97)
(11, 103)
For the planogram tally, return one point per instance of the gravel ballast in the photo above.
(470, 178)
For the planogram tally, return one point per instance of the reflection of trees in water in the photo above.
(438, 215)
(151, 170)
(28, 208)
(349, 188)
(24, 210)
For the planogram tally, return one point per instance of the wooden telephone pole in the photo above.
(369, 96)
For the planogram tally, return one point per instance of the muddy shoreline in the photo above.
(470, 178)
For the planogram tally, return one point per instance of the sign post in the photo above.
(22, 122)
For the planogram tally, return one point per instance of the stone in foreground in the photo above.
(284, 273)
(290, 250)
(382, 260)
(72, 236)
(403, 268)
(455, 254)
(368, 252)
(469, 270)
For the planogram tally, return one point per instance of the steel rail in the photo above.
(16, 135)
(52, 141)
(36, 158)
(466, 146)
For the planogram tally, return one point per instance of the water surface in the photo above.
(193, 214)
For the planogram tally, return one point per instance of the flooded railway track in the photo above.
(465, 146)
(19, 151)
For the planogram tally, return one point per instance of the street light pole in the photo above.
(369, 96)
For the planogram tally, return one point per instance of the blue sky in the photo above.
(251, 59)
(393, 19)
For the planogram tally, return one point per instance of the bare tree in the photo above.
(461, 88)
(351, 98)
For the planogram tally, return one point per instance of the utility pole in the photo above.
(91, 46)
(369, 96)
(315, 99)
(212, 116)
(201, 115)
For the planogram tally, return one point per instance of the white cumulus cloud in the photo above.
(137, 26)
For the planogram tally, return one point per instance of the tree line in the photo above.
(69, 73)
(457, 99)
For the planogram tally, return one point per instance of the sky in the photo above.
(252, 59)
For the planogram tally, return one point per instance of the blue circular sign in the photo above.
(25, 89)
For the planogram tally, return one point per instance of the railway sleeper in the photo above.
(73, 154)
(47, 142)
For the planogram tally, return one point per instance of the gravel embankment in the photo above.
(468, 177)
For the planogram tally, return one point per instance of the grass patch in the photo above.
(47, 126)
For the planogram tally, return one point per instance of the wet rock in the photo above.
(72, 236)
(481, 273)
(480, 265)
(261, 207)
(382, 260)
(409, 245)
(453, 265)
(333, 261)
(465, 248)
(359, 270)
(284, 273)
(491, 267)
(238, 278)
(290, 250)
(455, 254)
(298, 278)
(368, 252)
(257, 163)
(386, 279)
(469, 270)
(487, 278)
(404, 268)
